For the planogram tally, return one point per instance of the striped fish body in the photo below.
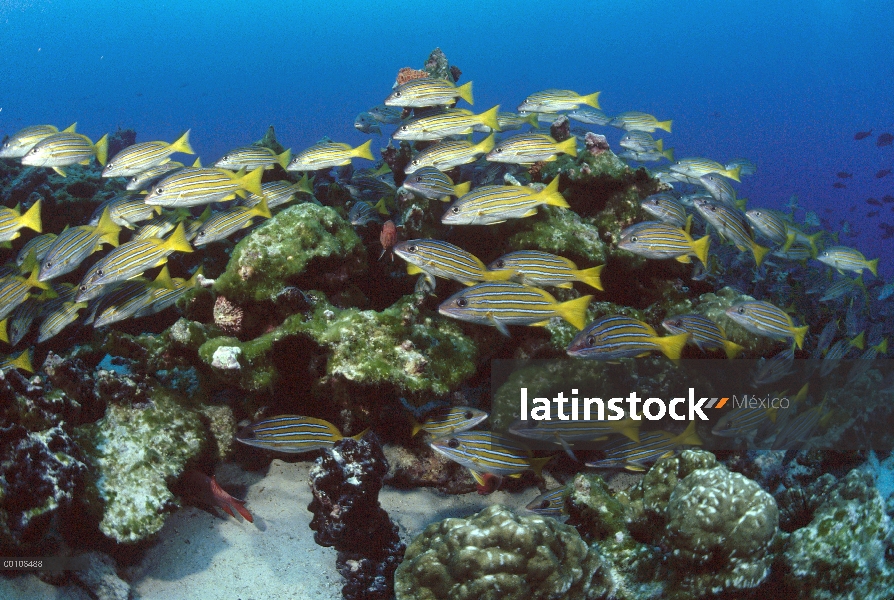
(666, 176)
(165, 297)
(225, 223)
(743, 421)
(537, 269)
(768, 224)
(697, 167)
(56, 321)
(278, 193)
(616, 336)
(290, 433)
(732, 225)
(589, 115)
(655, 239)
(161, 225)
(363, 213)
(528, 148)
(430, 182)
(429, 91)
(327, 155)
(647, 155)
(703, 332)
(549, 504)
(652, 445)
(11, 221)
(387, 115)
(145, 155)
(446, 155)
(510, 121)
(640, 141)
(146, 178)
(745, 166)
(21, 361)
(762, 318)
(797, 252)
(21, 319)
(770, 370)
(441, 259)
(447, 421)
(129, 260)
(842, 287)
(21, 142)
(492, 204)
(253, 157)
(506, 303)
(15, 290)
(127, 210)
(39, 245)
(73, 246)
(720, 189)
(446, 123)
(65, 149)
(125, 301)
(194, 187)
(488, 452)
(553, 100)
(666, 209)
(638, 121)
(844, 258)
(574, 431)
(366, 123)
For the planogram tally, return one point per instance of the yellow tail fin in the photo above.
(4, 333)
(881, 347)
(163, 279)
(665, 125)
(732, 173)
(700, 248)
(628, 428)
(102, 150)
(285, 158)
(591, 100)
(197, 163)
(574, 311)
(182, 144)
(550, 194)
(461, 189)
(872, 265)
(31, 219)
(672, 345)
(417, 427)
(32, 280)
(759, 252)
(261, 209)
(668, 154)
(489, 118)
(731, 348)
(363, 151)
(177, 241)
(465, 92)
(689, 437)
(22, 361)
(537, 464)
(531, 120)
(360, 435)
(304, 185)
(251, 182)
(859, 342)
(569, 146)
(799, 332)
(70, 128)
(107, 230)
(485, 145)
(591, 276)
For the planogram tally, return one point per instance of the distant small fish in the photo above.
(884, 139)
(554, 100)
(388, 237)
(839, 185)
(652, 445)
(888, 199)
(883, 173)
(861, 135)
(366, 123)
(328, 154)
(252, 157)
(873, 202)
(637, 121)
(844, 258)
(448, 421)
(363, 213)
(388, 115)
(872, 213)
(488, 452)
(844, 175)
(206, 490)
(589, 115)
(746, 167)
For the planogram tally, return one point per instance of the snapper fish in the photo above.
(488, 452)
(58, 318)
(703, 332)
(125, 210)
(550, 504)
(446, 123)
(510, 121)
(652, 445)
(656, 239)
(553, 100)
(528, 148)
(14, 290)
(363, 213)
(144, 179)
(536, 268)
(252, 157)
(21, 142)
(639, 121)
(589, 115)
(491, 204)
(432, 183)
(65, 149)
(697, 167)
(140, 157)
(448, 154)
(223, 224)
(366, 123)
(292, 434)
(732, 225)
(167, 295)
(640, 141)
(447, 421)
(129, 298)
(442, 259)
(843, 258)
(763, 318)
(12, 221)
(39, 245)
(615, 336)
(565, 433)
(667, 209)
(196, 186)
(326, 155)
(74, 245)
(429, 91)
(278, 193)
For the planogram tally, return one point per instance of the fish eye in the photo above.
(591, 340)
(397, 94)
(403, 127)
(544, 504)
(416, 163)
(48, 264)
(498, 150)
(500, 264)
(83, 288)
(159, 190)
(633, 238)
(757, 213)
(742, 310)
(99, 273)
(453, 443)
(462, 302)
(467, 414)
(456, 210)
(33, 151)
(418, 178)
(412, 249)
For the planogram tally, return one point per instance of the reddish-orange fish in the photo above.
(206, 490)
(388, 238)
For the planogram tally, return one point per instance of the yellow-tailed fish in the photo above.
(667, 209)
(487, 452)
(252, 157)
(589, 115)
(616, 336)
(721, 190)
(130, 260)
(769, 225)
(552, 100)
(163, 297)
(732, 225)
(163, 224)
(510, 121)
(450, 420)
(647, 155)
(145, 155)
(506, 303)
(697, 167)
(17, 325)
(429, 91)
(430, 182)
(796, 236)
(278, 193)
(639, 121)
(763, 318)
(843, 258)
(21, 361)
(143, 180)
(442, 259)
(448, 154)
(292, 433)
(565, 433)
(193, 187)
(223, 224)
(328, 154)
(129, 298)
(492, 204)
(11, 221)
(15, 290)
(126, 210)
(74, 245)
(66, 149)
(40, 245)
(536, 268)
(192, 226)
(25, 139)
(446, 123)
(528, 148)
(656, 239)
(703, 332)
(652, 445)
(57, 320)
(640, 141)
(745, 166)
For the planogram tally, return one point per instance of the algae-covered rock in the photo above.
(562, 232)
(591, 504)
(136, 450)
(497, 554)
(661, 480)
(305, 244)
(844, 553)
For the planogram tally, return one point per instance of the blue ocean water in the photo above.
(784, 84)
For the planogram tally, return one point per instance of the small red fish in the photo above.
(207, 491)
(388, 238)
(486, 483)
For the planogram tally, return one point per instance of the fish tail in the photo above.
(813, 239)
(163, 279)
(197, 163)
(194, 280)
(363, 151)
(799, 333)
(789, 240)
(689, 437)
(4, 331)
(31, 219)
(251, 182)
(731, 348)
(629, 429)
(700, 249)
(742, 203)
(759, 252)
(489, 118)
(659, 145)
(417, 427)
(881, 347)
(177, 242)
(487, 144)
(872, 265)
(261, 209)
(537, 464)
(23, 361)
(672, 345)
(732, 173)
(304, 185)
(381, 170)
(461, 189)
(688, 227)
(33, 281)
(668, 154)
(360, 435)
(665, 125)
(107, 230)
(182, 144)
(465, 92)
(569, 146)
(575, 311)
(102, 150)
(859, 342)
(70, 128)
(591, 99)
(551, 195)
(591, 277)
(380, 206)
(531, 120)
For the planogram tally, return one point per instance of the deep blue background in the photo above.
(785, 84)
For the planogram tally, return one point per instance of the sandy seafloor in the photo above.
(200, 555)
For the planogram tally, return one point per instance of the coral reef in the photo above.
(409, 74)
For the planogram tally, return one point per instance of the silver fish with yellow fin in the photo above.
(145, 155)
(23, 140)
(491, 204)
(536, 268)
(292, 434)
(616, 336)
(65, 149)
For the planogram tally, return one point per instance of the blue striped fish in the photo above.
(450, 420)
(491, 204)
(448, 154)
(253, 157)
(487, 452)
(292, 434)
(843, 258)
(165, 296)
(442, 259)
(278, 193)
(732, 225)
(56, 320)
(192, 187)
(566, 433)
(745, 166)
(550, 504)
(126, 210)
(762, 318)
(721, 190)
(21, 361)
(14, 290)
(639, 121)
(73, 246)
(19, 322)
(655, 239)
(225, 223)
(145, 155)
(616, 336)
(430, 182)
(510, 121)
(39, 245)
(446, 123)
(640, 141)
(163, 224)
(144, 179)
(326, 155)
(768, 224)
(129, 298)
(536, 268)
(696, 167)
(667, 209)
(506, 303)
(25, 139)
(652, 445)
(703, 332)
(553, 100)
(429, 91)
(11, 221)
(589, 115)
(744, 421)
(65, 149)
(528, 148)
